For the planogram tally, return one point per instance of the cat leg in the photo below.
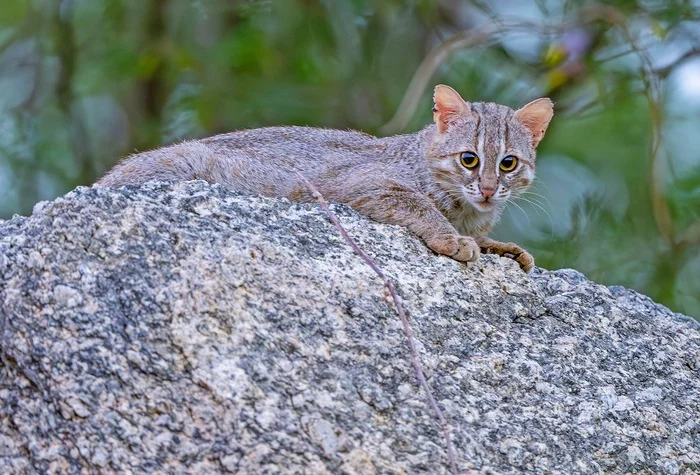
(393, 203)
(507, 249)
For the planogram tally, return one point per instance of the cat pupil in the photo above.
(509, 163)
(469, 159)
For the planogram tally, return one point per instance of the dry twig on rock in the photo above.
(415, 359)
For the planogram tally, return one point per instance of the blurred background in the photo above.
(84, 82)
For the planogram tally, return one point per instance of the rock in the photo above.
(186, 328)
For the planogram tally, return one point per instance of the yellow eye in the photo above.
(468, 160)
(508, 164)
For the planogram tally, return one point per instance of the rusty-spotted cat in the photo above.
(448, 183)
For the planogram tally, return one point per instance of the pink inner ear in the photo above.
(449, 105)
(536, 116)
(534, 124)
(444, 117)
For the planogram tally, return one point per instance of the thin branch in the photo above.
(427, 68)
(660, 207)
(67, 52)
(482, 36)
(690, 237)
(666, 70)
(415, 359)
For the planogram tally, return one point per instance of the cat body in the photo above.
(446, 182)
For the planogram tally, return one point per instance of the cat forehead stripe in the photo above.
(481, 133)
(491, 139)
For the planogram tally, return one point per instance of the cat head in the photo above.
(484, 153)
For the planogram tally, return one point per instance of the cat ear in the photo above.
(536, 116)
(449, 105)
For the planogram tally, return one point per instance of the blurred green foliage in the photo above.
(85, 82)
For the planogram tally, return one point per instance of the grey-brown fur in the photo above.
(414, 180)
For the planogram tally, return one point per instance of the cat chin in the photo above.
(484, 206)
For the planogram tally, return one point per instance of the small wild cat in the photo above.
(448, 183)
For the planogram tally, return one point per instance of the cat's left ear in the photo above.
(536, 116)
(449, 106)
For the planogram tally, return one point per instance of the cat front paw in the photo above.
(526, 261)
(512, 251)
(461, 248)
(522, 257)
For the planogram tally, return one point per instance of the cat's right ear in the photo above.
(449, 106)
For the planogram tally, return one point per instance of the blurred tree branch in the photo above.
(154, 86)
(666, 70)
(67, 53)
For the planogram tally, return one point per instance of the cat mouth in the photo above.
(484, 205)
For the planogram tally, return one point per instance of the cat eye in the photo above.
(508, 164)
(468, 160)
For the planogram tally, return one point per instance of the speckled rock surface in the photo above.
(183, 328)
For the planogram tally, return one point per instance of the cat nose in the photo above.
(487, 192)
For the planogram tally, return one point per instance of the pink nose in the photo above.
(487, 192)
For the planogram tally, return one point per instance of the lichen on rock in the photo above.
(181, 327)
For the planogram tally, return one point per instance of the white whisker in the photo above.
(543, 183)
(538, 196)
(532, 201)
(523, 211)
(551, 222)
